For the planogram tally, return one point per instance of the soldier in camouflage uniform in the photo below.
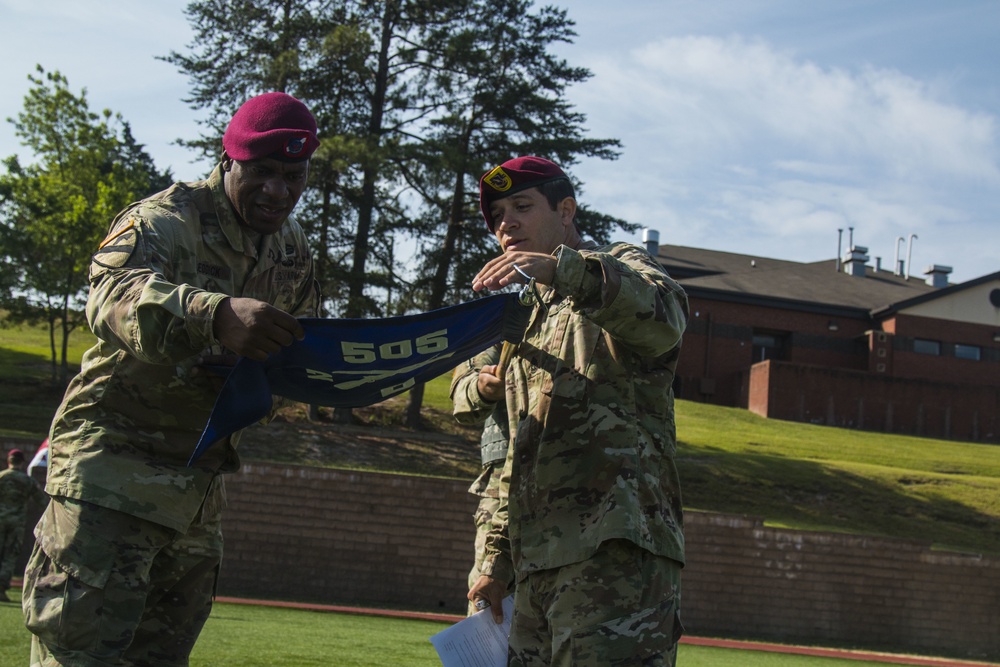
(128, 550)
(17, 490)
(493, 452)
(590, 520)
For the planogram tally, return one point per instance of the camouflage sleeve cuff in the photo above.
(499, 567)
(469, 405)
(574, 278)
(199, 316)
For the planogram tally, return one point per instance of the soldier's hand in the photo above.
(489, 385)
(500, 271)
(253, 328)
(491, 591)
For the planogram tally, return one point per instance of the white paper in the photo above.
(476, 641)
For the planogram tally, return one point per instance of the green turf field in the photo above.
(249, 636)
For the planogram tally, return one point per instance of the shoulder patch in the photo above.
(119, 245)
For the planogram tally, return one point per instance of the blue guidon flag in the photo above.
(351, 363)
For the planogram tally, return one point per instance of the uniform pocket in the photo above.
(631, 639)
(64, 581)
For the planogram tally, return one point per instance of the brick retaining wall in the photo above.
(338, 536)
(387, 540)
(747, 580)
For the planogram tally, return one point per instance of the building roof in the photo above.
(944, 292)
(766, 281)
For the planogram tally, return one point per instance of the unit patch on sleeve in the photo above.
(119, 245)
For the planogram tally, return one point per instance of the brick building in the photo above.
(840, 342)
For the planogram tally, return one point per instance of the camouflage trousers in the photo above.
(487, 486)
(106, 588)
(618, 608)
(11, 539)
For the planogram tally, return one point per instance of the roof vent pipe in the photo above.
(840, 242)
(651, 239)
(937, 275)
(909, 250)
(855, 260)
(897, 268)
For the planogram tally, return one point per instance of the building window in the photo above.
(769, 345)
(970, 352)
(922, 346)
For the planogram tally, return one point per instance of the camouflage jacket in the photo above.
(496, 433)
(496, 430)
(591, 412)
(130, 420)
(16, 490)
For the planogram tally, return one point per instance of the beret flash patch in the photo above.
(295, 145)
(498, 180)
(115, 250)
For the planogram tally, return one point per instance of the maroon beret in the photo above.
(274, 125)
(513, 176)
(15, 455)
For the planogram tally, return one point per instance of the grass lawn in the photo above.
(811, 477)
(249, 636)
(27, 395)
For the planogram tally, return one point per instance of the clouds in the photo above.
(756, 126)
(780, 152)
(743, 98)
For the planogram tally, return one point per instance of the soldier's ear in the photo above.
(567, 210)
(227, 162)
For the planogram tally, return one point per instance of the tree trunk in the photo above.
(343, 416)
(66, 329)
(366, 214)
(413, 419)
(439, 283)
(54, 379)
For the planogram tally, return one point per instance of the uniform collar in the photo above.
(230, 225)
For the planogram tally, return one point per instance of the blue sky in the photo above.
(752, 126)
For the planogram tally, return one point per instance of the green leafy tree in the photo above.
(55, 210)
(503, 94)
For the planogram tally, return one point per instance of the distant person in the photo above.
(195, 275)
(492, 453)
(41, 458)
(17, 492)
(590, 522)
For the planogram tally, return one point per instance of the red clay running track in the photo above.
(889, 658)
